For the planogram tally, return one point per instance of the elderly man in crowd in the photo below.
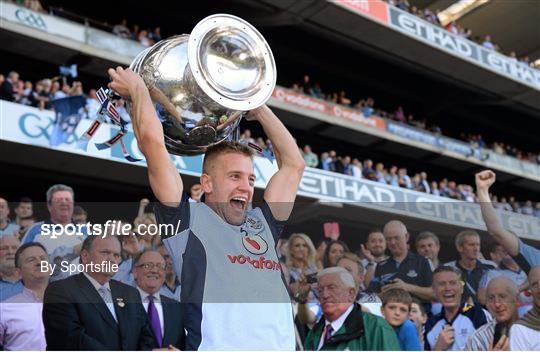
(21, 325)
(60, 202)
(502, 297)
(164, 314)
(344, 326)
(450, 329)
(10, 278)
(6, 226)
(525, 333)
(404, 269)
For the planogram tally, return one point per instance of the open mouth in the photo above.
(238, 203)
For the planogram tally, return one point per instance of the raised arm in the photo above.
(281, 189)
(508, 240)
(164, 179)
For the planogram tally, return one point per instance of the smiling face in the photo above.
(150, 272)
(335, 253)
(376, 244)
(228, 184)
(299, 249)
(448, 289)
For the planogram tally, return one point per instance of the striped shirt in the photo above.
(482, 339)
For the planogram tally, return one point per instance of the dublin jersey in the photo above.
(233, 290)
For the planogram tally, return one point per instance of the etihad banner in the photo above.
(291, 97)
(463, 48)
(27, 125)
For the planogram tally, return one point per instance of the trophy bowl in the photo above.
(202, 84)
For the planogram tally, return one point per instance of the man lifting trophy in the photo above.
(186, 96)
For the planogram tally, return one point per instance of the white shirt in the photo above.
(336, 324)
(157, 303)
(97, 286)
(523, 338)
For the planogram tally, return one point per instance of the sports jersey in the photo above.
(467, 320)
(11, 228)
(233, 290)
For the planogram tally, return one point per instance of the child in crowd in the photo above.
(419, 317)
(396, 306)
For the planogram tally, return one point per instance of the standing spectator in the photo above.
(352, 263)
(92, 104)
(435, 189)
(10, 278)
(7, 89)
(24, 210)
(404, 180)
(60, 199)
(525, 333)
(502, 303)
(396, 306)
(306, 85)
(164, 314)
(450, 329)
(143, 38)
(246, 137)
(155, 35)
(310, 158)
(392, 178)
(301, 260)
(368, 172)
(21, 324)
(90, 311)
(428, 244)
(380, 173)
(326, 161)
(80, 216)
(419, 317)
(356, 168)
(469, 264)
(122, 30)
(171, 287)
(344, 326)
(196, 192)
(404, 269)
(424, 184)
(487, 43)
(6, 226)
(333, 253)
(373, 253)
(347, 165)
(135, 32)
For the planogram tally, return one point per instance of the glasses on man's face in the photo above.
(151, 266)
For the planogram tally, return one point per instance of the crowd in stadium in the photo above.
(475, 302)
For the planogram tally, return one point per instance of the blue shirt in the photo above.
(531, 254)
(9, 289)
(10, 229)
(408, 337)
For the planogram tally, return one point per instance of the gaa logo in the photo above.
(255, 244)
(30, 19)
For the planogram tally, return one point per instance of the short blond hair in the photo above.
(225, 147)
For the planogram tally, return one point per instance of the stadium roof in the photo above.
(513, 25)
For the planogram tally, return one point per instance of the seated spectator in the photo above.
(356, 168)
(21, 324)
(301, 260)
(6, 226)
(326, 161)
(451, 328)
(374, 249)
(310, 158)
(122, 30)
(419, 317)
(80, 216)
(347, 165)
(527, 208)
(502, 303)
(164, 314)
(368, 172)
(510, 242)
(352, 263)
(396, 306)
(424, 184)
(392, 178)
(469, 264)
(487, 43)
(344, 326)
(171, 287)
(333, 253)
(525, 333)
(435, 189)
(404, 180)
(10, 278)
(380, 173)
(195, 192)
(23, 210)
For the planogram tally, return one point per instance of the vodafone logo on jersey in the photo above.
(255, 244)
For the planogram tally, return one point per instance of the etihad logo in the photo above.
(258, 263)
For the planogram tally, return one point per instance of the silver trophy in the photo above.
(202, 84)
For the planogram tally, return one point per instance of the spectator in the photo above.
(435, 189)
(60, 199)
(7, 89)
(143, 38)
(450, 329)
(92, 103)
(419, 317)
(506, 267)
(343, 100)
(345, 326)
(404, 269)
(246, 137)
(404, 180)
(392, 178)
(80, 216)
(310, 158)
(427, 244)
(326, 161)
(164, 314)
(122, 30)
(171, 287)
(502, 303)
(333, 253)
(347, 165)
(368, 172)
(155, 35)
(71, 323)
(380, 173)
(306, 85)
(424, 184)
(510, 242)
(469, 263)
(396, 306)
(356, 168)
(352, 263)
(525, 333)
(135, 32)
(6, 226)
(21, 325)
(195, 192)
(487, 43)
(10, 278)
(23, 210)
(373, 253)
